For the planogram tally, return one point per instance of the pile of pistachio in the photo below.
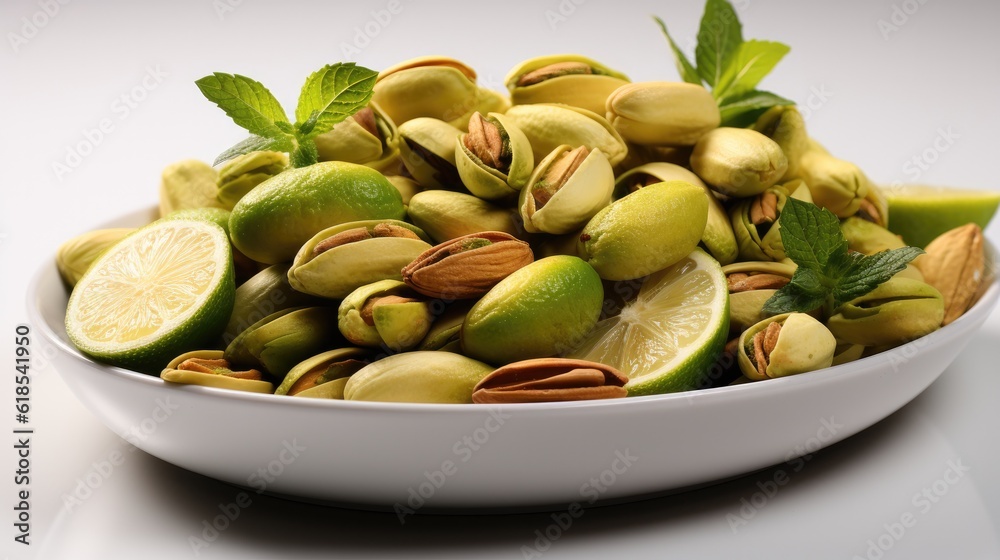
(497, 185)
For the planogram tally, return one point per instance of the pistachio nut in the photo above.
(837, 185)
(847, 352)
(384, 313)
(75, 256)
(467, 267)
(563, 78)
(188, 184)
(718, 237)
(895, 312)
(431, 86)
(406, 186)
(447, 215)
(784, 345)
(874, 207)
(751, 284)
(550, 125)
(422, 376)
(550, 380)
(210, 369)
(490, 101)
(784, 124)
(284, 338)
(738, 162)
(368, 137)
(266, 292)
(566, 190)
(955, 264)
(445, 333)
(755, 221)
(324, 376)
(338, 260)
(427, 148)
(241, 174)
(494, 158)
(662, 113)
(868, 237)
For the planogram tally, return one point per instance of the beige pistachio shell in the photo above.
(485, 181)
(550, 125)
(763, 242)
(869, 238)
(350, 141)
(281, 340)
(491, 101)
(584, 194)
(241, 174)
(447, 327)
(336, 272)
(784, 124)
(436, 87)
(220, 381)
(426, 377)
(738, 162)
(398, 326)
(75, 256)
(427, 149)
(894, 313)
(803, 345)
(310, 373)
(837, 185)
(445, 215)
(875, 207)
(264, 293)
(188, 184)
(847, 352)
(588, 91)
(406, 186)
(662, 113)
(746, 306)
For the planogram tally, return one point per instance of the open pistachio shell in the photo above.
(785, 125)
(218, 380)
(426, 377)
(76, 255)
(445, 215)
(662, 113)
(575, 202)
(488, 182)
(432, 86)
(447, 327)
(279, 341)
(265, 293)
(352, 139)
(762, 242)
(837, 185)
(746, 305)
(564, 78)
(550, 125)
(803, 344)
(718, 238)
(490, 101)
(241, 174)
(894, 313)
(399, 325)
(427, 148)
(847, 352)
(336, 272)
(318, 376)
(869, 238)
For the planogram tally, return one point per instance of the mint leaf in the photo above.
(684, 66)
(754, 60)
(256, 144)
(719, 38)
(332, 94)
(306, 154)
(810, 234)
(870, 271)
(804, 293)
(742, 110)
(246, 101)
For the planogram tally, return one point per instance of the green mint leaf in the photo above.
(868, 272)
(332, 94)
(754, 60)
(806, 291)
(255, 144)
(810, 235)
(305, 155)
(719, 38)
(742, 110)
(684, 66)
(246, 101)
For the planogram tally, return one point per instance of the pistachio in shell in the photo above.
(564, 78)
(550, 125)
(431, 86)
(324, 375)
(494, 158)
(209, 368)
(755, 221)
(368, 137)
(784, 124)
(751, 284)
(427, 149)
(264, 293)
(566, 190)
(835, 184)
(188, 183)
(738, 162)
(75, 256)
(785, 345)
(387, 313)
(241, 174)
(662, 113)
(895, 312)
(447, 215)
(420, 376)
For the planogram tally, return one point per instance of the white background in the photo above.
(879, 97)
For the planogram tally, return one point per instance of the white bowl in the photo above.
(385, 455)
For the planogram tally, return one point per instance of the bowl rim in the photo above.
(983, 306)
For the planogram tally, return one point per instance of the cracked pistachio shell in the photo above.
(662, 113)
(445, 215)
(584, 194)
(351, 142)
(746, 307)
(76, 255)
(398, 326)
(894, 313)
(427, 148)
(763, 242)
(485, 181)
(550, 125)
(738, 162)
(784, 124)
(406, 186)
(241, 174)
(447, 328)
(174, 375)
(324, 375)
(803, 345)
(875, 207)
(188, 184)
(336, 272)
(422, 376)
(869, 238)
(847, 352)
(264, 293)
(718, 237)
(431, 86)
(837, 185)
(587, 91)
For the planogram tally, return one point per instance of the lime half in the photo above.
(166, 289)
(669, 337)
(920, 213)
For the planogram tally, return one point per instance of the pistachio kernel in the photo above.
(557, 175)
(488, 142)
(366, 118)
(325, 373)
(868, 211)
(554, 71)
(218, 367)
(763, 344)
(368, 309)
(764, 209)
(743, 282)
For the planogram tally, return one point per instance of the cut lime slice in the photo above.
(920, 213)
(166, 289)
(668, 338)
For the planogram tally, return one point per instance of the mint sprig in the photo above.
(330, 95)
(828, 274)
(730, 66)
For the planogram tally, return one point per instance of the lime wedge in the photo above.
(667, 339)
(920, 213)
(164, 290)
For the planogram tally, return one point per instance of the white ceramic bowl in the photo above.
(378, 455)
